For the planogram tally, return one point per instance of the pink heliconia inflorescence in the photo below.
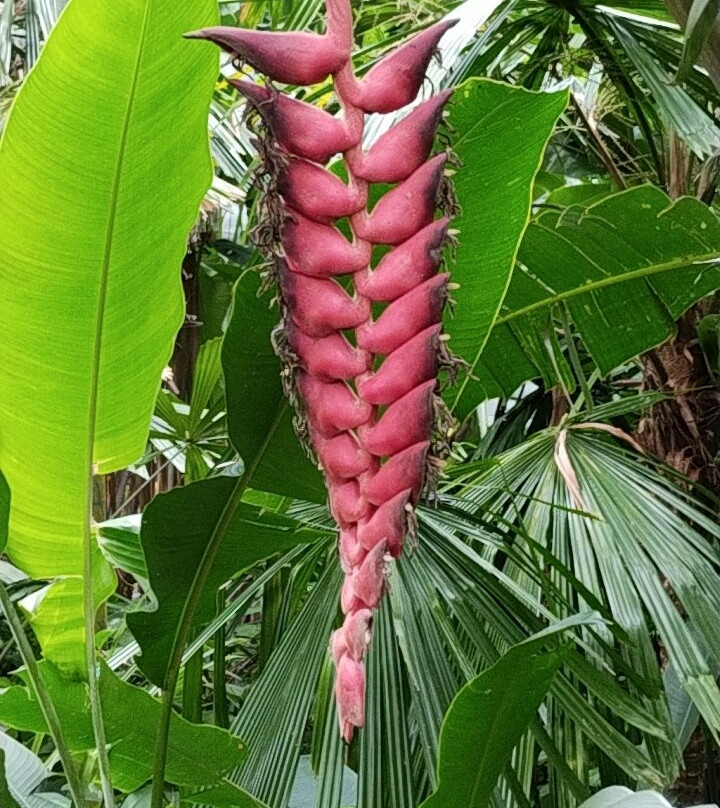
(362, 334)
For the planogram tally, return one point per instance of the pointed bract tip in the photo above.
(198, 34)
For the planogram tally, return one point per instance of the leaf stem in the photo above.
(91, 664)
(42, 695)
(220, 705)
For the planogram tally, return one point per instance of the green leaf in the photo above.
(208, 373)
(651, 536)
(104, 161)
(175, 532)
(198, 754)
(256, 401)
(701, 20)
(119, 540)
(51, 799)
(273, 719)
(626, 268)
(487, 719)
(5, 796)
(139, 799)
(226, 795)
(692, 123)
(501, 135)
(56, 613)
(708, 332)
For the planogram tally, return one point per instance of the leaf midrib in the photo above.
(709, 259)
(109, 243)
(88, 589)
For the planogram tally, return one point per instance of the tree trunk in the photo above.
(684, 431)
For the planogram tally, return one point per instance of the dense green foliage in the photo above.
(170, 578)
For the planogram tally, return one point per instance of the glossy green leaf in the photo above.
(626, 268)
(91, 241)
(501, 134)
(199, 755)
(487, 719)
(175, 533)
(256, 402)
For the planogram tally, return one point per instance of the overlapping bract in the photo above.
(363, 345)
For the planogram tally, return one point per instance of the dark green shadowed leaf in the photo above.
(700, 22)
(487, 719)
(175, 533)
(256, 401)
(501, 134)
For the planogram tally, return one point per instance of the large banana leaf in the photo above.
(102, 167)
(500, 134)
(626, 268)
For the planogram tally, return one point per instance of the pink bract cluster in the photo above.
(365, 353)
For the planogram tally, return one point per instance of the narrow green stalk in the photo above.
(192, 696)
(42, 695)
(182, 632)
(91, 664)
(220, 705)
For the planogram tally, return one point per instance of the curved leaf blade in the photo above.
(199, 754)
(487, 719)
(626, 267)
(91, 241)
(501, 134)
